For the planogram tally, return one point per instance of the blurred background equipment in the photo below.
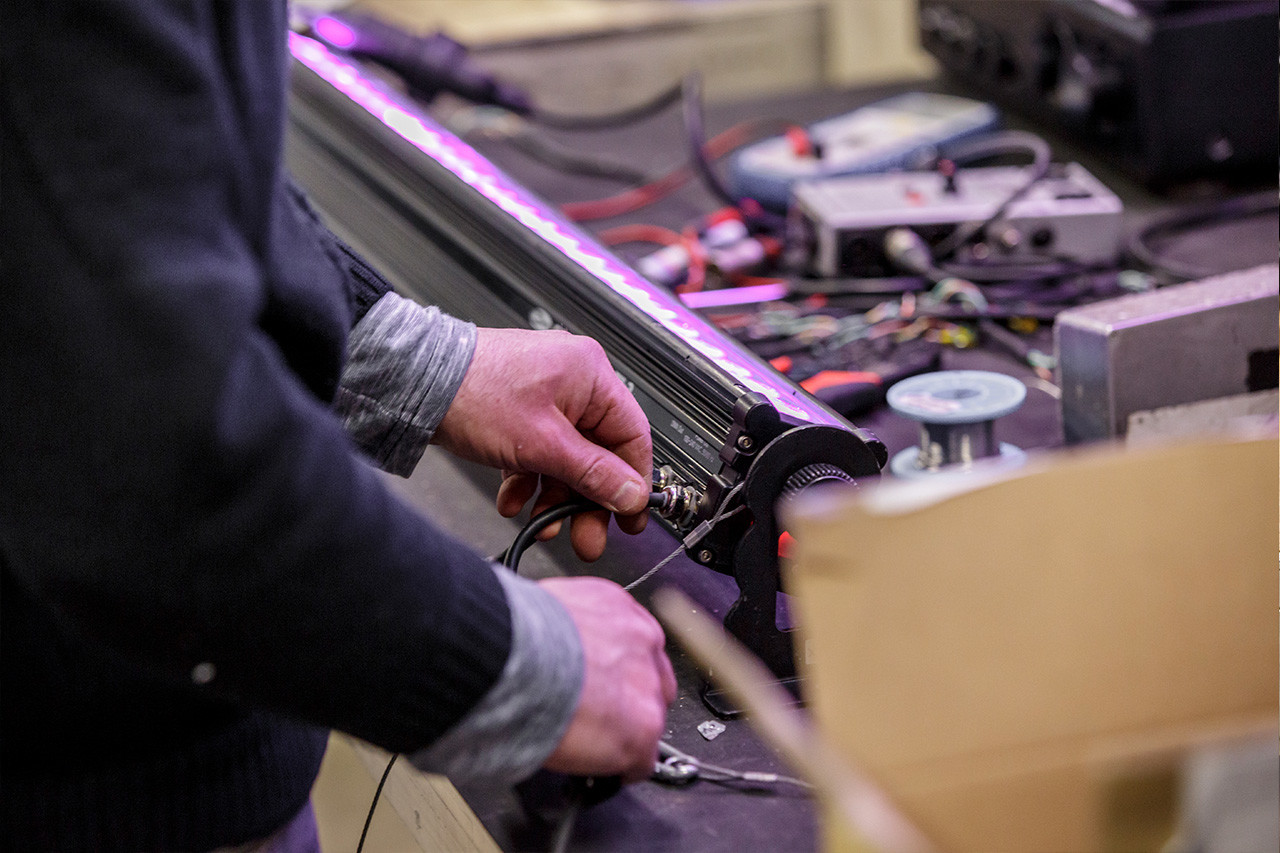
(1068, 214)
(587, 164)
(897, 133)
(1169, 89)
(1133, 355)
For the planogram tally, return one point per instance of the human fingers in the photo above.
(591, 470)
(551, 403)
(632, 524)
(516, 489)
(613, 419)
(621, 710)
(667, 675)
(601, 446)
(588, 533)
(552, 493)
(589, 529)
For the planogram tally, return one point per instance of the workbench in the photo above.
(708, 816)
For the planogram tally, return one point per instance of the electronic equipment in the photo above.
(841, 223)
(1169, 90)
(730, 434)
(1135, 354)
(895, 133)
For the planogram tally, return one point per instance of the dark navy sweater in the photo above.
(199, 575)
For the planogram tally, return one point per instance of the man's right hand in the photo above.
(627, 687)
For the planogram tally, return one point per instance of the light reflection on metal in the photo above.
(463, 161)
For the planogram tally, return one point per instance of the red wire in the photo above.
(639, 233)
(697, 277)
(638, 197)
(743, 280)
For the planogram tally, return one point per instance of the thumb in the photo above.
(598, 474)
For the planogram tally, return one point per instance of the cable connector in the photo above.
(697, 535)
(673, 499)
(908, 251)
(428, 64)
(678, 503)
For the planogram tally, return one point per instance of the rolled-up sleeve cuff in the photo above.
(404, 365)
(523, 717)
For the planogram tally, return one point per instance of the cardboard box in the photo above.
(1027, 662)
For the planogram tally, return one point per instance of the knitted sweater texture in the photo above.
(199, 575)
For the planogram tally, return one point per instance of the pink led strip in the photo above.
(461, 159)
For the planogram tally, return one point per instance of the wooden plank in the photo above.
(430, 806)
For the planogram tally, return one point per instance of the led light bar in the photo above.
(449, 228)
(474, 170)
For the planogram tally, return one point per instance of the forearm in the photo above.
(524, 716)
(404, 365)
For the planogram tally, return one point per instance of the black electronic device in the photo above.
(730, 435)
(1169, 90)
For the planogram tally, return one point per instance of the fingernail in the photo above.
(628, 495)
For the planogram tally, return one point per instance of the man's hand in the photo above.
(628, 684)
(548, 410)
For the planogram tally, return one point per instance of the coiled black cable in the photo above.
(540, 522)
(1139, 248)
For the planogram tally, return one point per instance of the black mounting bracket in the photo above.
(766, 461)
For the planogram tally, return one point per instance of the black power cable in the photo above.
(1139, 244)
(540, 522)
(374, 805)
(694, 126)
(559, 121)
(544, 519)
(994, 145)
(433, 63)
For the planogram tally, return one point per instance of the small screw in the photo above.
(745, 442)
(705, 555)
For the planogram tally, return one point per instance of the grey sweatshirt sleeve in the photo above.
(404, 364)
(520, 721)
